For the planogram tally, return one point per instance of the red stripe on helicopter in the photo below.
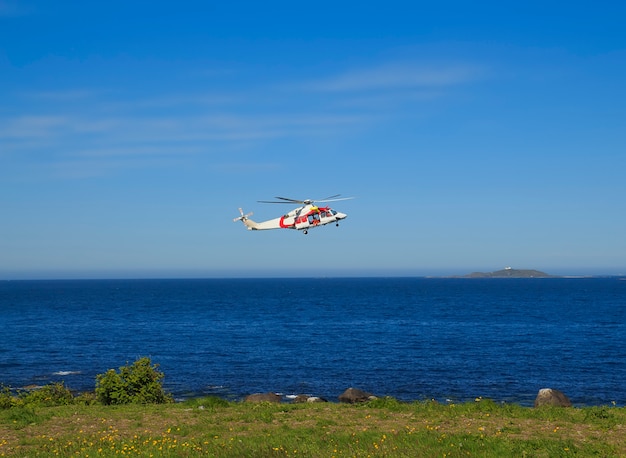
(282, 224)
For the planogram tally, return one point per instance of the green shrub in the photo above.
(86, 398)
(6, 398)
(140, 383)
(53, 394)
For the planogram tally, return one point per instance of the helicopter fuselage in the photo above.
(302, 219)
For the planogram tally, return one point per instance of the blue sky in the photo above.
(474, 136)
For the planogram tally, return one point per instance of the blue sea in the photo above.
(449, 339)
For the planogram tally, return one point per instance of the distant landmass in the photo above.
(509, 272)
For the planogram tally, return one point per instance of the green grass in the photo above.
(384, 427)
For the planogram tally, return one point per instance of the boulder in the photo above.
(300, 399)
(354, 395)
(550, 397)
(263, 397)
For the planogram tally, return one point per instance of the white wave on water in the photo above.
(64, 373)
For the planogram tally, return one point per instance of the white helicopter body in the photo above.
(302, 218)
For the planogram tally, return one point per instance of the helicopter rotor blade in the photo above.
(283, 200)
(287, 200)
(335, 200)
(279, 202)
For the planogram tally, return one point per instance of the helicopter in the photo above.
(303, 218)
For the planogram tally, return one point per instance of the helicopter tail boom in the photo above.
(261, 226)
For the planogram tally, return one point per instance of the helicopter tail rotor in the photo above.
(243, 217)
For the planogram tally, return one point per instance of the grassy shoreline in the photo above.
(384, 427)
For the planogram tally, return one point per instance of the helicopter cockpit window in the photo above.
(323, 215)
(334, 212)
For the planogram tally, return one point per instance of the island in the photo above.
(509, 272)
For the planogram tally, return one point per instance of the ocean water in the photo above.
(410, 338)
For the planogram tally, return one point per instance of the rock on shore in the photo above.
(354, 395)
(550, 397)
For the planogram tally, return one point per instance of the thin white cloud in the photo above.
(202, 100)
(386, 101)
(397, 76)
(140, 150)
(103, 166)
(75, 142)
(219, 126)
(246, 167)
(61, 96)
(111, 133)
(30, 126)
